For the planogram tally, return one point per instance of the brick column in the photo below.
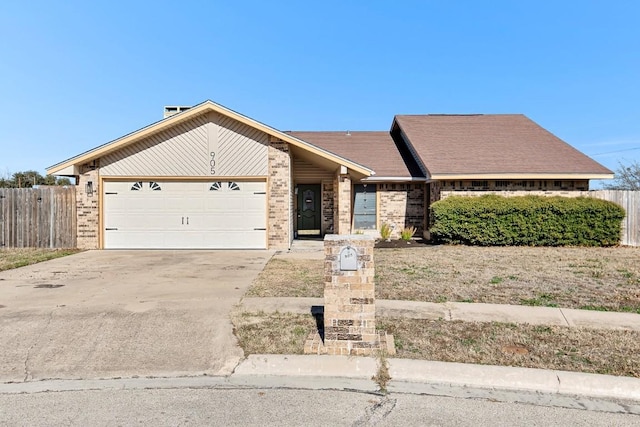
(87, 209)
(279, 195)
(342, 205)
(349, 300)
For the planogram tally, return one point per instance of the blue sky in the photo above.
(75, 75)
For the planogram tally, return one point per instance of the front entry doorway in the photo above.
(309, 209)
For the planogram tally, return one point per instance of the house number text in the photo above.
(212, 163)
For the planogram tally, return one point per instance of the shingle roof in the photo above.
(375, 150)
(491, 144)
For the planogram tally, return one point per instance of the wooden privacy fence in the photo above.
(630, 201)
(42, 217)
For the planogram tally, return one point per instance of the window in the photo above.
(224, 186)
(364, 207)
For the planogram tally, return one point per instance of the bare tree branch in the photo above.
(627, 177)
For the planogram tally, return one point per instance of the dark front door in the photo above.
(309, 208)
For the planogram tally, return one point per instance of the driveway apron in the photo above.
(107, 314)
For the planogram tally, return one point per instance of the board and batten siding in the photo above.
(206, 145)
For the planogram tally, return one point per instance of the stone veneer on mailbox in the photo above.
(349, 301)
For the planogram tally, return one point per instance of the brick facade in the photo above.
(342, 204)
(87, 209)
(280, 196)
(327, 206)
(401, 205)
(516, 185)
(514, 193)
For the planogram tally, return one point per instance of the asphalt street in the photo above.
(280, 407)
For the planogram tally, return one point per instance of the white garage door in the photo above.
(184, 215)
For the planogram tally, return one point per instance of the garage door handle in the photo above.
(262, 229)
(108, 192)
(259, 192)
(187, 220)
(110, 229)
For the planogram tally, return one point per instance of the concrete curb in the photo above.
(497, 383)
(410, 374)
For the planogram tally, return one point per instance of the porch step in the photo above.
(310, 245)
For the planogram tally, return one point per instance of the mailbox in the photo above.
(348, 259)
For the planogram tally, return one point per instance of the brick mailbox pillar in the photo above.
(349, 300)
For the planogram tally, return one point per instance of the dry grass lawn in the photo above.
(277, 333)
(14, 258)
(546, 347)
(290, 278)
(583, 278)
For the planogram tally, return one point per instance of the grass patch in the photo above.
(542, 300)
(15, 258)
(623, 309)
(289, 278)
(278, 333)
(531, 346)
(507, 344)
(536, 276)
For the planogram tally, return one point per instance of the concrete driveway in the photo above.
(106, 314)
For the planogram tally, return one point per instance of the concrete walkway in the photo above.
(464, 311)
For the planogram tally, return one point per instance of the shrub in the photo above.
(493, 220)
(385, 231)
(407, 233)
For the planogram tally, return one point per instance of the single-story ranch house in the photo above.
(208, 177)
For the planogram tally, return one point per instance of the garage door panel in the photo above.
(189, 215)
(145, 221)
(255, 204)
(223, 222)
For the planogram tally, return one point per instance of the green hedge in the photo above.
(493, 220)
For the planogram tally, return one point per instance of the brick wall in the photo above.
(444, 194)
(342, 204)
(516, 185)
(401, 205)
(280, 196)
(327, 206)
(87, 209)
